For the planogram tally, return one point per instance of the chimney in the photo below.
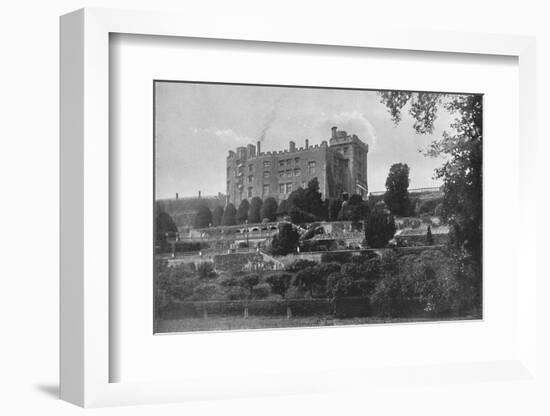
(177, 196)
(307, 143)
(334, 132)
(291, 146)
(199, 194)
(258, 148)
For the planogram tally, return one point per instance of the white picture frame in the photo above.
(85, 265)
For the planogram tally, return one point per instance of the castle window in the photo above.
(282, 174)
(265, 190)
(345, 150)
(267, 174)
(311, 168)
(297, 160)
(288, 188)
(281, 188)
(304, 184)
(250, 178)
(288, 173)
(249, 192)
(250, 168)
(281, 163)
(297, 172)
(267, 164)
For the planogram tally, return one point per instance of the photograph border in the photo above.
(84, 179)
(317, 87)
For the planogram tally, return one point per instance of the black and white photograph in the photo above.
(294, 206)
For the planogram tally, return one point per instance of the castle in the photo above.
(339, 165)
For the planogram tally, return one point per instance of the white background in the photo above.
(138, 60)
(29, 210)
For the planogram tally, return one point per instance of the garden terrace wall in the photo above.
(232, 262)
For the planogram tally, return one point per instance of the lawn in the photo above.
(266, 322)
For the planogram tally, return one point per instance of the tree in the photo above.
(217, 216)
(397, 189)
(254, 211)
(285, 241)
(261, 290)
(282, 210)
(334, 206)
(429, 237)
(380, 229)
(306, 278)
(242, 212)
(164, 225)
(229, 215)
(314, 201)
(354, 210)
(203, 218)
(269, 209)
(279, 283)
(306, 205)
(462, 173)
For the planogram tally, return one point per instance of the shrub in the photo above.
(205, 270)
(261, 290)
(203, 218)
(380, 229)
(295, 292)
(269, 209)
(336, 257)
(228, 281)
(300, 264)
(340, 285)
(183, 289)
(285, 241)
(237, 293)
(428, 206)
(248, 281)
(267, 308)
(205, 291)
(279, 283)
(351, 307)
(310, 307)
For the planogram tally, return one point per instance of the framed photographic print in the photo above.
(237, 208)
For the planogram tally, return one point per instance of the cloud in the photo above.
(224, 136)
(355, 122)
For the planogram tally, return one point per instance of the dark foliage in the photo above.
(164, 225)
(254, 211)
(229, 215)
(334, 207)
(397, 190)
(285, 241)
(380, 229)
(242, 212)
(269, 209)
(306, 205)
(217, 215)
(279, 283)
(203, 218)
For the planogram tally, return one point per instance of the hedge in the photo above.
(341, 308)
(351, 307)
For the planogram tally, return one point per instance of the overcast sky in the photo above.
(196, 125)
